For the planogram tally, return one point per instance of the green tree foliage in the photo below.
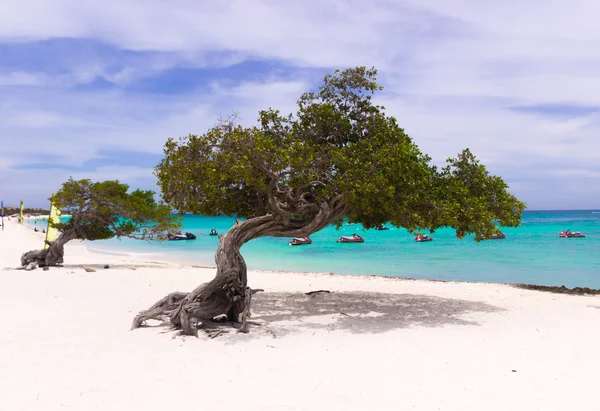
(340, 153)
(103, 210)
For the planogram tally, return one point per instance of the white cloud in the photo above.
(266, 28)
(43, 119)
(20, 79)
(125, 174)
(500, 137)
(575, 172)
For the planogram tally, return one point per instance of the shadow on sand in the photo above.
(284, 313)
(358, 312)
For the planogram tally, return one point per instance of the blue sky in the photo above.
(93, 89)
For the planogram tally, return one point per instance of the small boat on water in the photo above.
(569, 234)
(420, 238)
(354, 238)
(213, 232)
(300, 241)
(179, 237)
(498, 236)
(381, 227)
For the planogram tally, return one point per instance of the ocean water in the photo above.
(532, 253)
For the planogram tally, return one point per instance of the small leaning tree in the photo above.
(100, 211)
(340, 156)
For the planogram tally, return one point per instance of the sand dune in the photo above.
(372, 343)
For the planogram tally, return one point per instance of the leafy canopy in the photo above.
(339, 146)
(106, 209)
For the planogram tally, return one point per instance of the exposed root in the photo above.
(246, 312)
(32, 259)
(161, 310)
(199, 309)
(47, 257)
(216, 334)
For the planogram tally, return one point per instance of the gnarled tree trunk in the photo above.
(51, 256)
(228, 292)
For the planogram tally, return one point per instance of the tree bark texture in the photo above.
(51, 256)
(228, 292)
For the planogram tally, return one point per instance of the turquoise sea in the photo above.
(532, 253)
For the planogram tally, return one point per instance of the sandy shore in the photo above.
(372, 344)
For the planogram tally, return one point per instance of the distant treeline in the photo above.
(15, 210)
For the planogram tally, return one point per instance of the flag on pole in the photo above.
(21, 213)
(53, 218)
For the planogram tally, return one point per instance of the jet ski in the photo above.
(213, 232)
(179, 236)
(354, 238)
(381, 227)
(498, 236)
(300, 241)
(569, 234)
(422, 238)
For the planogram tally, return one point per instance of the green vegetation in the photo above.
(339, 150)
(106, 209)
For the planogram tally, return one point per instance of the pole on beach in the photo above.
(2, 213)
(21, 213)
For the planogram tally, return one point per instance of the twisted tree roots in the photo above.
(47, 257)
(198, 310)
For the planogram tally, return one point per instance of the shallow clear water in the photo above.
(531, 253)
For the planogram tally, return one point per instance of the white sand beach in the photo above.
(371, 344)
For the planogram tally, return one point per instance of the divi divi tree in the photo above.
(99, 211)
(340, 156)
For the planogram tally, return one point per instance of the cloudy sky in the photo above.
(94, 88)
